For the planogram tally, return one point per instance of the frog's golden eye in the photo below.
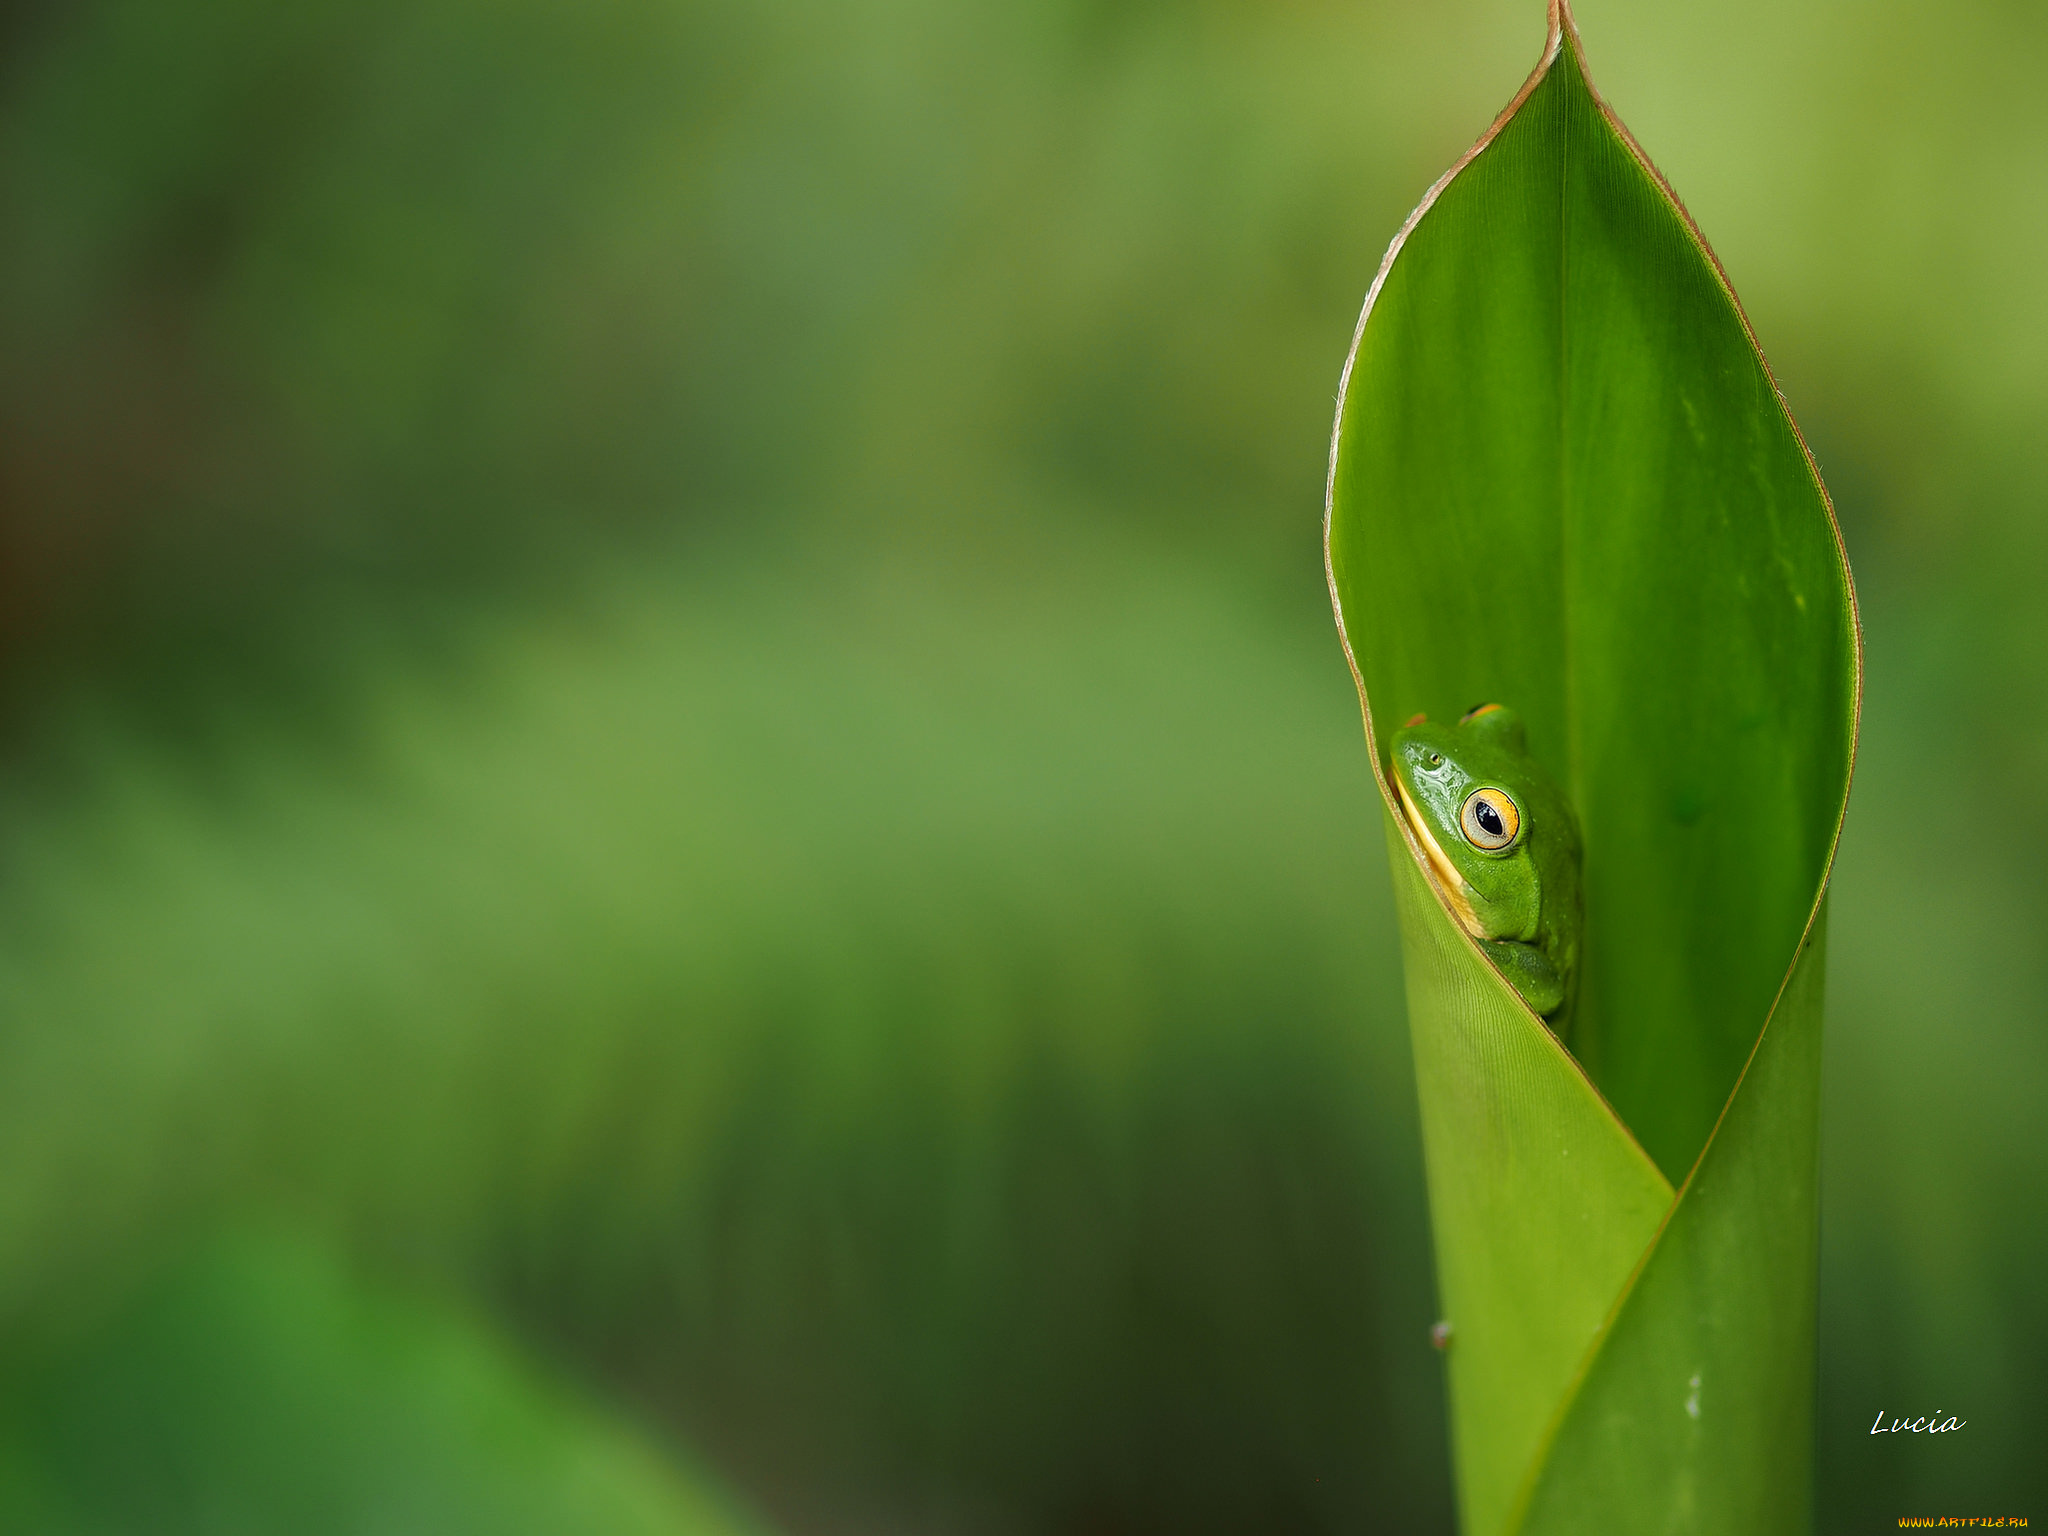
(1490, 820)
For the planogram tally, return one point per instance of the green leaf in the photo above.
(1541, 1201)
(1696, 1412)
(1563, 479)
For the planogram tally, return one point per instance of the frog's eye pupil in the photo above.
(1436, 759)
(1489, 819)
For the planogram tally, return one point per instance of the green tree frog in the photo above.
(1504, 845)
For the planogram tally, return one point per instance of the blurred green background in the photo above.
(683, 846)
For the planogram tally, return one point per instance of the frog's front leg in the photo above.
(1529, 972)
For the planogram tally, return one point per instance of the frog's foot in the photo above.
(1529, 972)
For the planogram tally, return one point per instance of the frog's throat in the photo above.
(1447, 876)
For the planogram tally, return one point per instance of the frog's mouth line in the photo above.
(1446, 872)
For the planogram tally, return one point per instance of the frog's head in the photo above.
(1478, 806)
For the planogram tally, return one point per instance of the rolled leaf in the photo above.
(1563, 479)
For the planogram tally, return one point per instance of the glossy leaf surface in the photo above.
(1696, 1412)
(1563, 480)
(1541, 1203)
